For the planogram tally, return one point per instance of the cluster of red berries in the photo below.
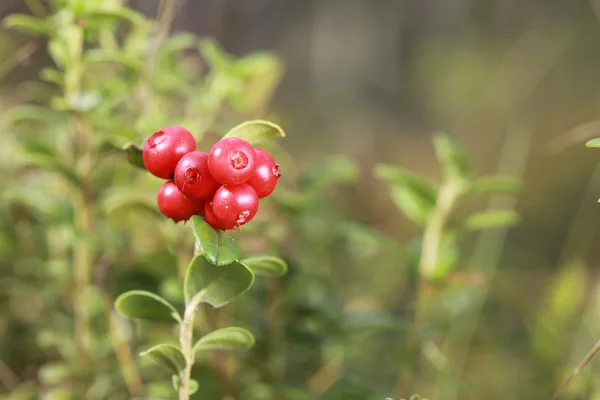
(224, 185)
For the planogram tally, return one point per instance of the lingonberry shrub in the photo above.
(163, 150)
(216, 274)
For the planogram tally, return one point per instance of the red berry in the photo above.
(192, 177)
(235, 204)
(212, 220)
(173, 204)
(232, 161)
(163, 150)
(267, 174)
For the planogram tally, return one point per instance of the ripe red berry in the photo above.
(232, 161)
(173, 204)
(163, 150)
(267, 174)
(192, 177)
(235, 204)
(212, 220)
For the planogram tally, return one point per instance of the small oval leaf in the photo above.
(256, 131)
(495, 185)
(139, 304)
(27, 24)
(134, 155)
(491, 219)
(452, 155)
(231, 338)
(168, 356)
(216, 285)
(216, 245)
(266, 265)
(593, 143)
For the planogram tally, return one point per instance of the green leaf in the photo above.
(44, 157)
(116, 198)
(256, 131)
(32, 113)
(265, 265)
(97, 56)
(193, 385)
(27, 24)
(593, 143)
(134, 155)
(168, 356)
(216, 245)
(216, 285)
(215, 56)
(123, 13)
(231, 338)
(412, 195)
(333, 170)
(139, 304)
(452, 155)
(176, 43)
(55, 373)
(495, 184)
(491, 219)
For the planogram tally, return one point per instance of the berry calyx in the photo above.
(267, 174)
(173, 204)
(232, 161)
(163, 150)
(235, 204)
(212, 220)
(192, 177)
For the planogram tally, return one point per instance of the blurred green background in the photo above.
(355, 84)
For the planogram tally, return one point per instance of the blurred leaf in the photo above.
(448, 257)
(52, 75)
(176, 43)
(139, 304)
(593, 143)
(216, 245)
(96, 56)
(230, 338)
(119, 197)
(216, 285)
(54, 373)
(168, 356)
(44, 157)
(495, 184)
(32, 113)
(25, 391)
(372, 322)
(256, 131)
(214, 54)
(333, 170)
(123, 13)
(412, 195)
(265, 265)
(193, 385)
(134, 155)
(491, 219)
(452, 155)
(27, 24)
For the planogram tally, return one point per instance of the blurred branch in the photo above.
(8, 377)
(19, 56)
(574, 137)
(577, 370)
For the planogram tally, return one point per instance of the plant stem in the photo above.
(186, 336)
(448, 195)
(577, 370)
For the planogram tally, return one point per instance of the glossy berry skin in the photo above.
(267, 174)
(163, 150)
(192, 177)
(232, 161)
(173, 204)
(212, 220)
(235, 204)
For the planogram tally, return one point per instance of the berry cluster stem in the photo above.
(186, 337)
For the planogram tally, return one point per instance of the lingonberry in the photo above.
(232, 161)
(235, 204)
(192, 177)
(163, 150)
(173, 204)
(267, 174)
(212, 220)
